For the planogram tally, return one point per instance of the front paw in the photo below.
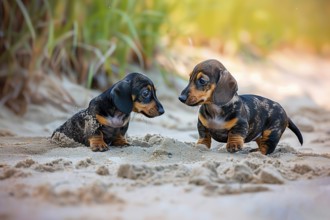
(99, 147)
(234, 147)
(205, 141)
(120, 142)
(97, 144)
(234, 143)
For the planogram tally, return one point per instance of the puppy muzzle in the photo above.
(160, 110)
(183, 98)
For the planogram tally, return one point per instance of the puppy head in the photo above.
(209, 83)
(137, 93)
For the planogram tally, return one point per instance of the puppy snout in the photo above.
(161, 110)
(183, 98)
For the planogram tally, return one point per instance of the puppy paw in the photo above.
(97, 144)
(233, 147)
(234, 143)
(120, 142)
(204, 141)
(99, 147)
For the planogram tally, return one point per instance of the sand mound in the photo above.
(53, 166)
(84, 163)
(156, 175)
(8, 172)
(95, 193)
(63, 141)
(102, 171)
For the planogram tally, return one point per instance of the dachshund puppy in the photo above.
(231, 118)
(106, 119)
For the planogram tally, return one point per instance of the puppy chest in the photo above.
(217, 123)
(116, 121)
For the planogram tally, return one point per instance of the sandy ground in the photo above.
(163, 174)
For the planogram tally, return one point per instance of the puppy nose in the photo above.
(161, 110)
(183, 98)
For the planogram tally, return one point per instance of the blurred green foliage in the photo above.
(266, 24)
(75, 36)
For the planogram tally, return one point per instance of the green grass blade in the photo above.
(27, 18)
(130, 22)
(90, 76)
(132, 45)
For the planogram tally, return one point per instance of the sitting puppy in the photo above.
(106, 119)
(231, 118)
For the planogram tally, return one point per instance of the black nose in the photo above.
(183, 98)
(161, 110)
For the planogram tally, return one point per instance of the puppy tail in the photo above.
(296, 131)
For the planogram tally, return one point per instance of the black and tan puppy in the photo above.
(231, 118)
(106, 119)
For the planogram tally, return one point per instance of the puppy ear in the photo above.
(225, 89)
(121, 95)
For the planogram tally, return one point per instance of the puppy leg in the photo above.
(236, 136)
(96, 142)
(235, 142)
(120, 139)
(269, 140)
(204, 135)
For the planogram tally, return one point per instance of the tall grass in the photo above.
(80, 39)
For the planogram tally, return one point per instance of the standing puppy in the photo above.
(106, 119)
(231, 118)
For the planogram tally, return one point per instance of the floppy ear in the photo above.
(225, 89)
(121, 95)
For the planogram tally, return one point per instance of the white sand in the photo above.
(164, 175)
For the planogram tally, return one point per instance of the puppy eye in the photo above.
(146, 93)
(202, 81)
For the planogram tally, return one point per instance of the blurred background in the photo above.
(95, 43)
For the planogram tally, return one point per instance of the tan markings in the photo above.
(149, 109)
(231, 123)
(214, 125)
(199, 75)
(202, 75)
(203, 120)
(261, 141)
(206, 141)
(196, 96)
(97, 143)
(133, 97)
(149, 87)
(102, 120)
(234, 143)
(266, 133)
(262, 145)
(120, 141)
